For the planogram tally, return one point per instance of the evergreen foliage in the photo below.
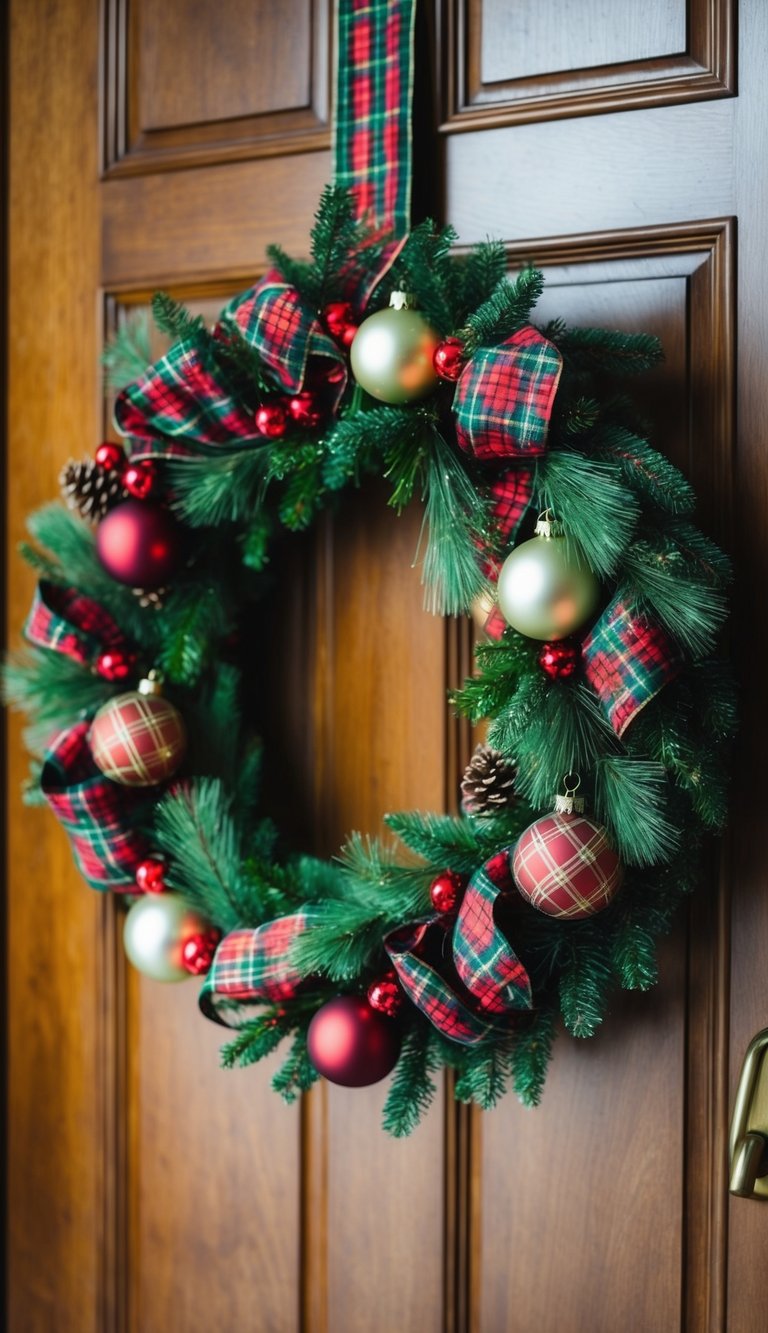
(625, 508)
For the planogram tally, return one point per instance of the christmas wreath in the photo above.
(385, 353)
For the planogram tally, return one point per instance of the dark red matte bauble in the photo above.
(197, 952)
(271, 420)
(446, 890)
(139, 479)
(305, 410)
(559, 660)
(385, 995)
(350, 1044)
(150, 876)
(449, 359)
(110, 456)
(338, 315)
(115, 664)
(139, 543)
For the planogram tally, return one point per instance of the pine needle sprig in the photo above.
(454, 516)
(480, 273)
(128, 352)
(209, 492)
(257, 1038)
(506, 310)
(630, 798)
(648, 473)
(297, 1073)
(531, 1054)
(610, 351)
(195, 828)
(412, 1089)
(597, 509)
(173, 318)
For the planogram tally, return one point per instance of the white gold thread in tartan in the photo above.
(565, 866)
(138, 739)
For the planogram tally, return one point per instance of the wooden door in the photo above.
(165, 145)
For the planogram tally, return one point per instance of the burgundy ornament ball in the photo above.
(138, 739)
(449, 359)
(272, 420)
(385, 995)
(197, 952)
(110, 456)
(305, 410)
(559, 660)
(139, 543)
(350, 1044)
(564, 865)
(445, 891)
(139, 479)
(115, 664)
(150, 876)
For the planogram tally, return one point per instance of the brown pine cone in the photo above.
(89, 489)
(488, 784)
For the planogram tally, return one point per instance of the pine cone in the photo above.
(154, 597)
(89, 489)
(488, 785)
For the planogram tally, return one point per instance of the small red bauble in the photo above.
(350, 1044)
(449, 359)
(139, 479)
(115, 664)
(139, 543)
(347, 336)
(197, 952)
(385, 995)
(110, 456)
(150, 876)
(446, 890)
(559, 660)
(564, 865)
(338, 315)
(271, 420)
(138, 739)
(305, 410)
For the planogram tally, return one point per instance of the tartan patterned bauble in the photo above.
(157, 929)
(564, 865)
(392, 353)
(138, 739)
(139, 543)
(351, 1044)
(545, 590)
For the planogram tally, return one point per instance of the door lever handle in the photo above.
(748, 1142)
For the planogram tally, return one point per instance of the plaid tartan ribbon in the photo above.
(64, 621)
(253, 966)
(628, 659)
(374, 93)
(474, 990)
(96, 813)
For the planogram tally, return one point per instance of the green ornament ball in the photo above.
(392, 354)
(545, 589)
(156, 929)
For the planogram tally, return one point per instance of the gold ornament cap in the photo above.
(569, 803)
(547, 526)
(401, 301)
(152, 683)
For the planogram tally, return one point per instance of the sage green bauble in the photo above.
(392, 353)
(156, 929)
(545, 589)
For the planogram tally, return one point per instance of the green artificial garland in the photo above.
(656, 787)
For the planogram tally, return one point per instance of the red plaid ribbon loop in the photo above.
(628, 659)
(476, 987)
(64, 621)
(96, 813)
(504, 397)
(252, 967)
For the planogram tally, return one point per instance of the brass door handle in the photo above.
(749, 1124)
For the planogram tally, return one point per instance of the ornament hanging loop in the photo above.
(570, 803)
(547, 526)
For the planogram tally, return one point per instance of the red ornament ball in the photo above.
(564, 865)
(305, 410)
(272, 420)
(338, 315)
(385, 995)
(197, 952)
(139, 544)
(140, 478)
(445, 891)
(110, 456)
(137, 739)
(150, 876)
(449, 359)
(350, 1044)
(559, 660)
(115, 664)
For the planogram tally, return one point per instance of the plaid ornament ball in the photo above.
(565, 866)
(138, 739)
